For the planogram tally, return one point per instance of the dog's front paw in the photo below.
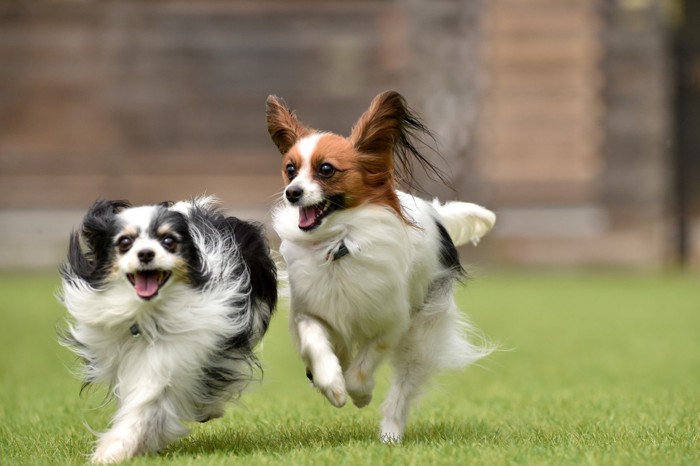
(112, 450)
(359, 386)
(332, 384)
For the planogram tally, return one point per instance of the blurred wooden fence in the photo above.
(554, 113)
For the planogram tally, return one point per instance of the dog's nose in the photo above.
(293, 193)
(146, 255)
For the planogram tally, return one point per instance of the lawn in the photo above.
(595, 369)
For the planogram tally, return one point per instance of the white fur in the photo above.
(305, 178)
(388, 297)
(306, 147)
(155, 376)
(465, 222)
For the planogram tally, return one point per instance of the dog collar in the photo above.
(339, 251)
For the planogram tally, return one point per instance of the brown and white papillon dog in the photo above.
(371, 269)
(166, 303)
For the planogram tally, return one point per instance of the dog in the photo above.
(166, 303)
(371, 269)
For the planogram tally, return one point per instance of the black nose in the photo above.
(146, 255)
(293, 193)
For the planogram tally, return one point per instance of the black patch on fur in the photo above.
(216, 379)
(186, 248)
(253, 249)
(254, 259)
(91, 262)
(255, 252)
(449, 257)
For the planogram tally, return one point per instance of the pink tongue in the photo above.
(307, 216)
(146, 284)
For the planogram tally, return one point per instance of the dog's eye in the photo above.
(291, 170)
(124, 243)
(326, 170)
(169, 243)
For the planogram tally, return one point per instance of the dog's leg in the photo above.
(411, 371)
(437, 339)
(146, 429)
(316, 350)
(211, 411)
(359, 377)
(140, 426)
(417, 357)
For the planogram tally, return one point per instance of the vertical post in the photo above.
(681, 147)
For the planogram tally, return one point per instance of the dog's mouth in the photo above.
(311, 216)
(147, 283)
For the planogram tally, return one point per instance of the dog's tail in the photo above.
(465, 222)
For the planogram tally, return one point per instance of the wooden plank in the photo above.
(36, 191)
(543, 135)
(116, 163)
(39, 191)
(569, 51)
(534, 22)
(546, 111)
(543, 163)
(583, 81)
(523, 192)
(544, 5)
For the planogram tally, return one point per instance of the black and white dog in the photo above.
(166, 304)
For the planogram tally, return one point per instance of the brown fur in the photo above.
(283, 125)
(366, 162)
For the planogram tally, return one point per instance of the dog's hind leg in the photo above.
(316, 350)
(413, 365)
(436, 340)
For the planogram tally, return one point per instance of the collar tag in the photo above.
(339, 251)
(135, 331)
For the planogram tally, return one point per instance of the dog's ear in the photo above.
(89, 249)
(282, 124)
(98, 224)
(388, 135)
(379, 129)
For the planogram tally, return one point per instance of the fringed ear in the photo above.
(98, 221)
(89, 249)
(389, 129)
(379, 128)
(283, 125)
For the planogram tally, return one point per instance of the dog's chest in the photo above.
(347, 290)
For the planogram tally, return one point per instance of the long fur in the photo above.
(178, 356)
(371, 269)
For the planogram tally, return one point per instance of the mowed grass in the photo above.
(595, 369)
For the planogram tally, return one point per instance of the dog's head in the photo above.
(148, 246)
(325, 172)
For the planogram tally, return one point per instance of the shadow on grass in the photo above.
(454, 432)
(272, 439)
(277, 439)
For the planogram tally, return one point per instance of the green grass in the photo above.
(596, 369)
